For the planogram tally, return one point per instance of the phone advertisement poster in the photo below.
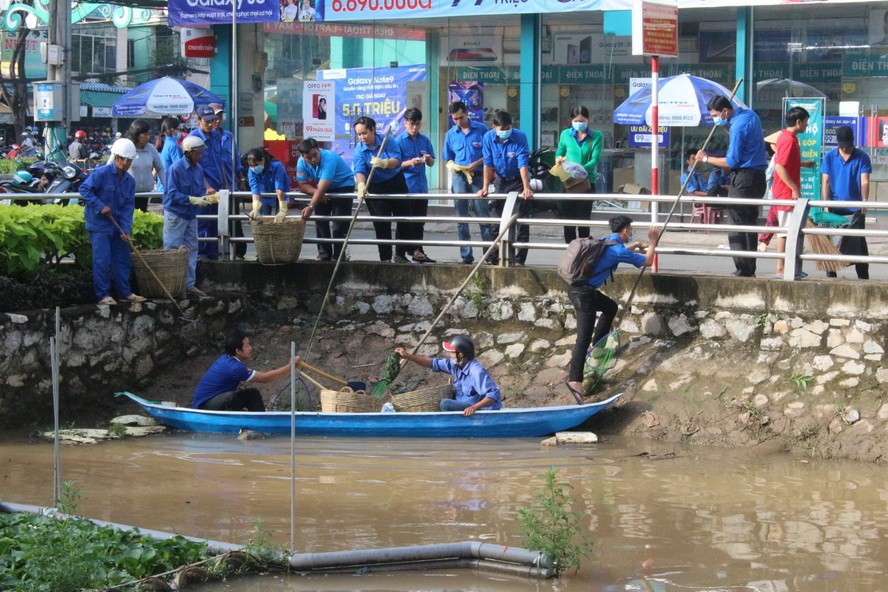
(470, 93)
(318, 96)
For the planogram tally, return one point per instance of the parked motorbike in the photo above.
(21, 182)
(541, 180)
(66, 177)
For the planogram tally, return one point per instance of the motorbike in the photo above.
(541, 180)
(21, 182)
(66, 177)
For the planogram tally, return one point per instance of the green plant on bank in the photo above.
(550, 526)
(801, 381)
(763, 319)
(64, 553)
(479, 286)
(262, 548)
(69, 498)
(116, 430)
(36, 236)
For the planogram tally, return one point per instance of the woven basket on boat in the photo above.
(278, 242)
(426, 399)
(170, 267)
(348, 401)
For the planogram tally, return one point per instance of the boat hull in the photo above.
(505, 423)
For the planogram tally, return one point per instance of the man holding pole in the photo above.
(748, 161)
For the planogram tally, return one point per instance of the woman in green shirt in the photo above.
(580, 145)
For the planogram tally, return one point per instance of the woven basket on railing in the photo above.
(170, 267)
(348, 401)
(278, 242)
(426, 399)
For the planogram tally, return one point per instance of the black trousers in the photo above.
(390, 207)
(525, 209)
(333, 206)
(575, 210)
(588, 302)
(249, 399)
(745, 183)
(420, 209)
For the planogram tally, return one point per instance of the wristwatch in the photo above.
(706, 158)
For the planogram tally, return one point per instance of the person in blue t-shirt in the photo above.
(387, 179)
(588, 301)
(218, 388)
(696, 186)
(418, 154)
(507, 154)
(266, 174)
(473, 387)
(323, 174)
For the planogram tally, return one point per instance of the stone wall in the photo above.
(102, 350)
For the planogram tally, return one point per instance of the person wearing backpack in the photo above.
(589, 302)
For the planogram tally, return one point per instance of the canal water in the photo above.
(662, 518)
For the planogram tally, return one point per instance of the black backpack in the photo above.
(578, 260)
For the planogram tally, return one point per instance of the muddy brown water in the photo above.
(705, 520)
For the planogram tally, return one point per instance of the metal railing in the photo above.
(794, 230)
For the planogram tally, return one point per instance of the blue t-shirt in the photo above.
(471, 383)
(747, 145)
(506, 157)
(224, 376)
(695, 184)
(106, 187)
(330, 168)
(364, 153)
(417, 147)
(182, 181)
(464, 148)
(273, 177)
(844, 177)
(612, 256)
(169, 153)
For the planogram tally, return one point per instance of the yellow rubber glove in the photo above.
(362, 190)
(282, 211)
(198, 201)
(214, 198)
(257, 205)
(452, 166)
(380, 163)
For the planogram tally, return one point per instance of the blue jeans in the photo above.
(453, 405)
(209, 228)
(111, 261)
(459, 184)
(177, 232)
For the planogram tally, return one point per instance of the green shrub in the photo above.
(550, 526)
(8, 167)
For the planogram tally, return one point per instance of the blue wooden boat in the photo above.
(505, 423)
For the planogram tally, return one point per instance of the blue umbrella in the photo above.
(681, 99)
(164, 96)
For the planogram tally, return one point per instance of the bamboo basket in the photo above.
(346, 400)
(278, 242)
(426, 399)
(170, 266)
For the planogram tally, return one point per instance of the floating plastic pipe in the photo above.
(488, 557)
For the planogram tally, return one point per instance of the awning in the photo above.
(101, 97)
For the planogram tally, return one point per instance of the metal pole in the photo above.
(292, 448)
(57, 449)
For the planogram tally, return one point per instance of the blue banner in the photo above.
(830, 124)
(184, 13)
(640, 136)
(380, 93)
(362, 10)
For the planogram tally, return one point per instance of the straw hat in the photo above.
(772, 139)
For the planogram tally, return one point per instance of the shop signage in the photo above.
(346, 30)
(358, 10)
(654, 28)
(811, 142)
(198, 43)
(864, 66)
(183, 13)
(101, 111)
(830, 123)
(488, 74)
(640, 136)
(316, 97)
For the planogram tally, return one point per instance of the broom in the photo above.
(822, 245)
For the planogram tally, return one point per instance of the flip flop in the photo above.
(577, 395)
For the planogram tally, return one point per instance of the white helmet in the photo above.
(124, 148)
(192, 143)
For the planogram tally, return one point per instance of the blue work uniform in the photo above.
(844, 176)
(464, 148)
(746, 149)
(211, 162)
(611, 257)
(331, 167)
(170, 152)
(232, 167)
(179, 216)
(364, 153)
(106, 186)
(223, 376)
(272, 178)
(418, 147)
(507, 157)
(471, 383)
(695, 183)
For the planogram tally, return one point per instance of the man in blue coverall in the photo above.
(506, 153)
(109, 195)
(184, 192)
(214, 175)
(418, 154)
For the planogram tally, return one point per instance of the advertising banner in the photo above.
(470, 93)
(574, 49)
(830, 123)
(358, 10)
(811, 142)
(380, 93)
(316, 97)
(640, 136)
(183, 13)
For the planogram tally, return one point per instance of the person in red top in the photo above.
(788, 172)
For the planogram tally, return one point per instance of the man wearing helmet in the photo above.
(184, 193)
(76, 149)
(473, 387)
(109, 196)
(28, 148)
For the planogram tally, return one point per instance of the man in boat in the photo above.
(473, 386)
(217, 390)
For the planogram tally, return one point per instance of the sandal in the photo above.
(577, 395)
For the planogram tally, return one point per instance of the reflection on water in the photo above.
(706, 520)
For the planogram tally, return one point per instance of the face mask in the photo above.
(580, 126)
(258, 168)
(631, 238)
(503, 134)
(717, 120)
